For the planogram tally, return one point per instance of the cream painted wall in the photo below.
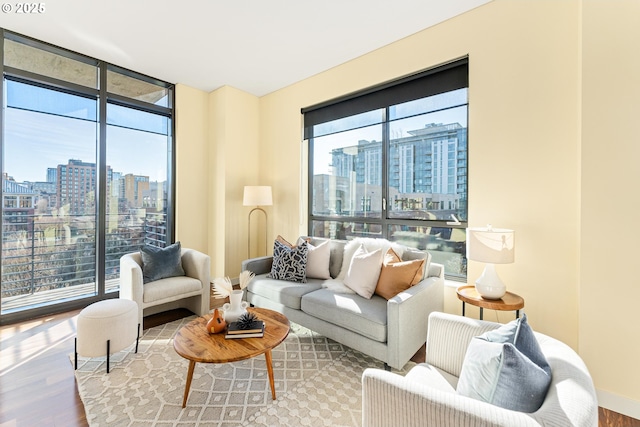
(217, 154)
(234, 118)
(523, 131)
(192, 168)
(550, 84)
(609, 295)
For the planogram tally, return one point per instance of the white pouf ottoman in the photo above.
(106, 327)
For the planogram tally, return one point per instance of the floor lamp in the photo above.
(257, 195)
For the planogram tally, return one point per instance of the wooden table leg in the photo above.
(192, 365)
(267, 357)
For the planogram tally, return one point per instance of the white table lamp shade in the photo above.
(491, 246)
(257, 195)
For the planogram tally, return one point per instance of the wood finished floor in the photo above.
(37, 384)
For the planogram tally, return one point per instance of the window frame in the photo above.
(103, 98)
(344, 107)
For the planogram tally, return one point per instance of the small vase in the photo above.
(216, 324)
(236, 308)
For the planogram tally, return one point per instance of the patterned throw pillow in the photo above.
(289, 263)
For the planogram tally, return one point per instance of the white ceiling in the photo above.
(257, 46)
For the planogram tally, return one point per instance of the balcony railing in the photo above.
(44, 253)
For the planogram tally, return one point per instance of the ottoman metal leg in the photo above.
(138, 337)
(108, 349)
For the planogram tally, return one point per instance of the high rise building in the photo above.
(427, 171)
(76, 186)
(135, 187)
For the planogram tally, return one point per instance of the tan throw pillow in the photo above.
(397, 275)
(284, 241)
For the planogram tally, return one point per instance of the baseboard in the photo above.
(619, 404)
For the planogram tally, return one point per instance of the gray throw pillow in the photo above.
(519, 333)
(160, 263)
(289, 263)
(498, 373)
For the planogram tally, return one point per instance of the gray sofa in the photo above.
(391, 331)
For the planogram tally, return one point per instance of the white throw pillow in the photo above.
(370, 244)
(318, 261)
(364, 271)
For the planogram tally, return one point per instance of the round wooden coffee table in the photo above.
(195, 344)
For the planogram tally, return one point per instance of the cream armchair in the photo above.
(426, 395)
(192, 291)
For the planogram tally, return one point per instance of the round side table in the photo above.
(509, 302)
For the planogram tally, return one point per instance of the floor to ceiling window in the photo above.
(391, 162)
(87, 163)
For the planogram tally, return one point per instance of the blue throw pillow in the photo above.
(506, 367)
(498, 373)
(519, 333)
(289, 263)
(160, 263)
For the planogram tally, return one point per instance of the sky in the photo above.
(36, 141)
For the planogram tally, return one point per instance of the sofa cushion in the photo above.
(170, 288)
(160, 263)
(283, 292)
(397, 275)
(498, 373)
(289, 263)
(366, 317)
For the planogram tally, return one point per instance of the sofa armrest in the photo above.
(436, 270)
(260, 265)
(389, 399)
(448, 338)
(407, 319)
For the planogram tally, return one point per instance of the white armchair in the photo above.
(426, 395)
(192, 291)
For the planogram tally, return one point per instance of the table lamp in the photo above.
(257, 195)
(491, 246)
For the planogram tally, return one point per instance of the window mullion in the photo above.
(385, 173)
(101, 161)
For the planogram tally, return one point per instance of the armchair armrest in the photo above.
(448, 338)
(197, 265)
(131, 281)
(260, 265)
(389, 399)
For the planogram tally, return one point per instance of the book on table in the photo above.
(244, 334)
(255, 327)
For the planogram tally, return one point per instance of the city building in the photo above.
(427, 175)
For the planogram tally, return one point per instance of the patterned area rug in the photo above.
(317, 381)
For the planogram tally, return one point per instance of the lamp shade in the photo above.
(491, 245)
(257, 195)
